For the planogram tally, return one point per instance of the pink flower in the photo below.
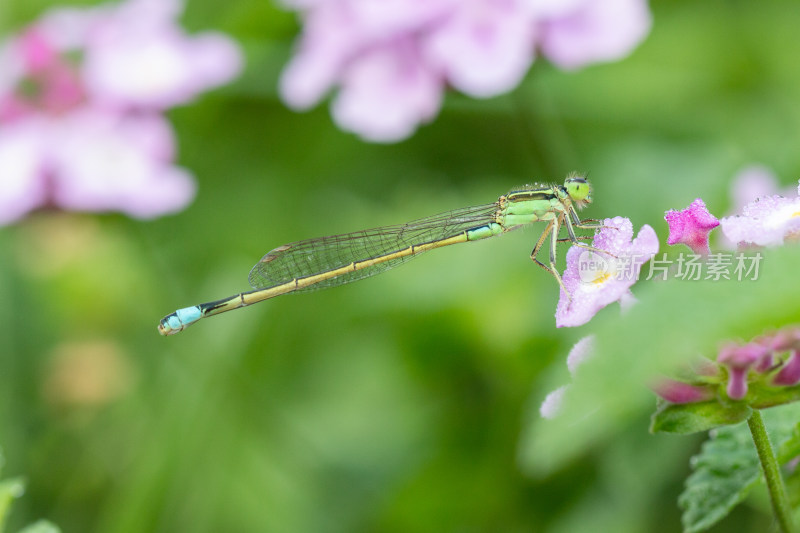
(761, 362)
(766, 221)
(393, 59)
(91, 161)
(138, 56)
(782, 340)
(387, 83)
(678, 392)
(739, 360)
(691, 227)
(593, 281)
(81, 92)
(576, 33)
(790, 372)
(483, 48)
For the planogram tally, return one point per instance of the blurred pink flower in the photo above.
(790, 373)
(139, 56)
(576, 33)
(392, 59)
(739, 359)
(678, 392)
(81, 96)
(89, 160)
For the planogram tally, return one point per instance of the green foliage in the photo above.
(724, 472)
(11, 489)
(788, 452)
(728, 467)
(694, 417)
(42, 526)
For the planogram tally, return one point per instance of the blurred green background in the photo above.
(396, 403)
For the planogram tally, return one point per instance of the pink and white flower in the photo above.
(393, 59)
(81, 97)
(576, 33)
(593, 281)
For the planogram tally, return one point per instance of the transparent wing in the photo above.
(315, 256)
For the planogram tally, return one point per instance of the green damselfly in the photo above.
(339, 259)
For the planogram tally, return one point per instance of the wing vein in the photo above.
(315, 256)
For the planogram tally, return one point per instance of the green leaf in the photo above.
(41, 526)
(10, 489)
(693, 417)
(790, 448)
(792, 482)
(728, 466)
(723, 473)
(762, 395)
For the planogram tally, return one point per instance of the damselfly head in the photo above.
(579, 190)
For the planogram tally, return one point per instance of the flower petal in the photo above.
(580, 353)
(767, 221)
(599, 30)
(22, 186)
(110, 163)
(790, 373)
(679, 393)
(484, 48)
(387, 93)
(551, 405)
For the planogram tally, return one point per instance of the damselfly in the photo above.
(339, 259)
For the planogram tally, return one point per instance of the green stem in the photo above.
(772, 473)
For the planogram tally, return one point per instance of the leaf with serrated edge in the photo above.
(727, 467)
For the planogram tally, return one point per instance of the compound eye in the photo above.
(578, 189)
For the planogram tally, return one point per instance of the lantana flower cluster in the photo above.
(768, 364)
(82, 97)
(769, 361)
(392, 59)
